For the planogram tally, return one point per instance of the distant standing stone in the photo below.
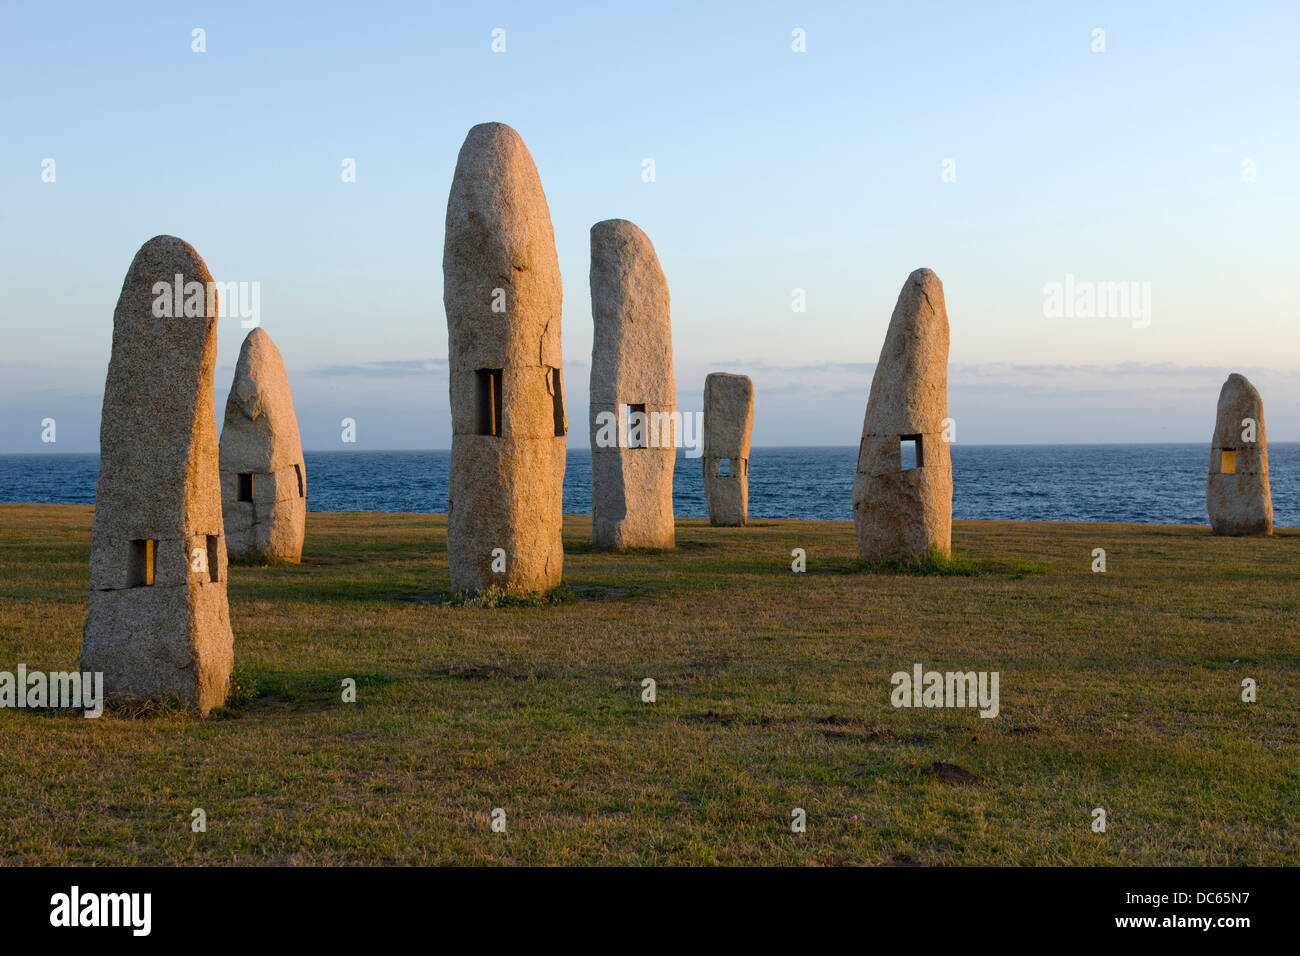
(263, 476)
(633, 393)
(158, 624)
(901, 514)
(1236, 493)
(502, 294)
(728, 422)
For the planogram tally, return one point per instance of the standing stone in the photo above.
(901, 514)
(1236, 493)
(728, 420)
(501, 291)
(633, 392)
(263, 477)
(158, 624)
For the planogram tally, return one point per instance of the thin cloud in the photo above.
(823, 367)
(396, 368)
(386, 368)
(997, 369)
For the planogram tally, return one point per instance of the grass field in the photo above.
(1119, 690)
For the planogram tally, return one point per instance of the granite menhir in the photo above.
(633, 393)
(1236, 493)
(501, 291)
(158, 624)
(902, 508)
(728, 421)
(263, 477)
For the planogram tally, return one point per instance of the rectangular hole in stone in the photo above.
(724, 468)
(140, 563)
(214, 567)
(487, 401)
(297, 470)
(909, 451)
(638, 427)
(246, 487)
(1228, 462)
(557, 400)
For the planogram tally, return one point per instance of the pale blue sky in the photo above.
(775, 170)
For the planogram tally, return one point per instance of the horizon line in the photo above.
(587, 448)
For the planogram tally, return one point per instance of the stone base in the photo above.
(271, 533)
(727, 496)
(1239, 504)
(632, 498)
(505, 493)
(272, 526)
(902, 515)
(153, 642)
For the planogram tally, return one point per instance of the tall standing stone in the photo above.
(728, 421)
(158, 624)
(900, 514)
(633, 392)
(263, 477)
(1236, 493)
(501, 291)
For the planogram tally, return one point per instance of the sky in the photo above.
(1005, 146)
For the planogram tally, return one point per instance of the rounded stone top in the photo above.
(625, 242)
(729, 377)
(1237, 386)
(927, 279)
(492, 143)
(492, 129)
(496, 199)
(261, 430)
(922, 284)
(909, 389)
(1238, 399)
(259, 358)
(167, 255)
(495, 178)
(618, 229)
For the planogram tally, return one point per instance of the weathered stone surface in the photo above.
(631, 373)
(502, 293)
(158, 482)
(900, 515)
(1237, 495)
(260, 441)
(728, 421)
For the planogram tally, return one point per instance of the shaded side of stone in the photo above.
(1237, 494)
(263, 474)
(728, 422)
(633, 407)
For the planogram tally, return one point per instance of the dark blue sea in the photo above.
(1153, 484)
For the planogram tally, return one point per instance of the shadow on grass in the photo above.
(314, 590)
(590, 547)
(494, 672)
(289, 690)
(935, 563)
(497, 596)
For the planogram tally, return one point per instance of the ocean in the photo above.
(1149, 484)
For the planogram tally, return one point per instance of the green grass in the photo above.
(1119, 690)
